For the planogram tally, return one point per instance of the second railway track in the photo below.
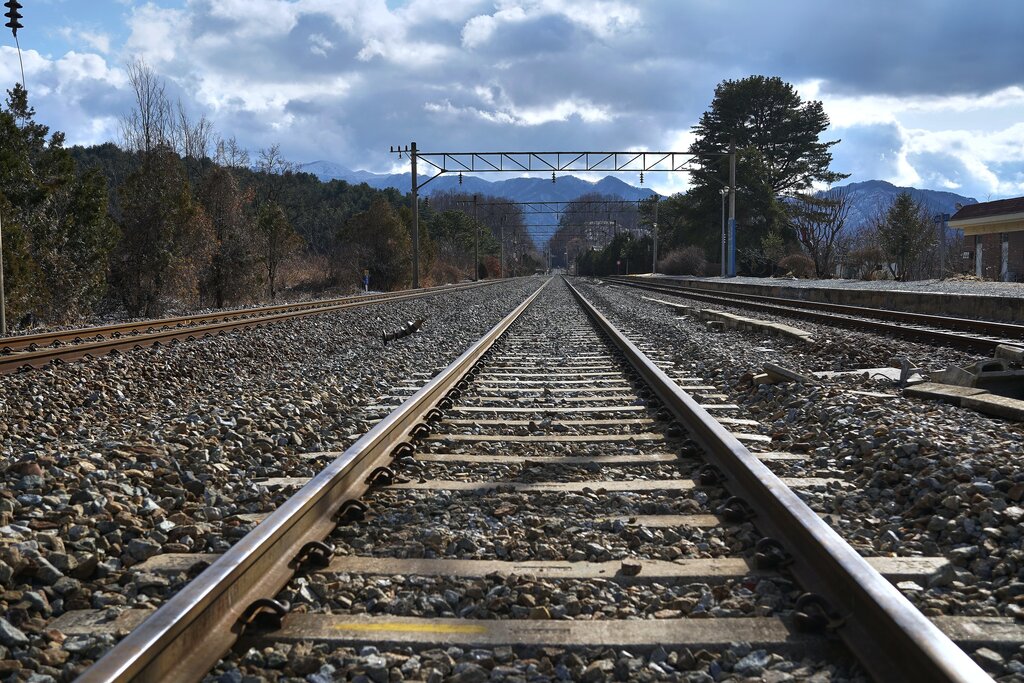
(549, 497)
(42, 349)
(962, 333)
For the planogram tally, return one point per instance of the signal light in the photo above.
(14, 15)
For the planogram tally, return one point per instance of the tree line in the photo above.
(789, 218)
(175, 217)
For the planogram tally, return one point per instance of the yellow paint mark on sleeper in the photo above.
(410, 628)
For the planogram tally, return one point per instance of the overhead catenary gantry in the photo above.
(440, 163)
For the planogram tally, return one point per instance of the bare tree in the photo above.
(230, 154)
(149, 124)
(271, 165)
(272, 161)
(820, 224)
(191, 136)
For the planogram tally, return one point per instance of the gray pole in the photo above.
(501, 257)
(732, 209)
(3, 296)
(723, 192)
(476, 244)
(415, 222)
(654, 260)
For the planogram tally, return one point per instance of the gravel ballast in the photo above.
(924, 478)
(500, 523)
(108, 462)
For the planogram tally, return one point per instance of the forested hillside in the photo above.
(175, 217)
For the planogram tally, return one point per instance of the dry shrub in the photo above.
(306, 272)
(685, 261)
(442, 273)
(799, 265)
(490, 267)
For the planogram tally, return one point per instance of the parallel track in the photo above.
(975, 335)
(602, 417)
(39, 350)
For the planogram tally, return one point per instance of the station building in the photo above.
(997, 229)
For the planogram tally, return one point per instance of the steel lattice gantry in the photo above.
(438, 163)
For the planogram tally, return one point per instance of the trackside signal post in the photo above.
(546, 162)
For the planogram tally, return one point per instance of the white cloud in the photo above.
(508, 113)
(254, 19)
(319, 44)
(156, 33)
(977, 151)
(268, 98)
(966, 129)
(96, 40)
(845, 111)
(75, 67)
(667, 184)
(603, 19)
(478, 30)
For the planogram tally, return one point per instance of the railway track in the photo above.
(39, 350)
(964, 333)
(551, 491)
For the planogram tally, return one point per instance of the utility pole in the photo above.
(14, 23)
(476, 243)
(3, 304)
(415, 221)
(732, 209)
(515, 253)
(501, 240)
(725, 193)
(654, 259)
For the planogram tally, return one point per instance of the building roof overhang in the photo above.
(986, 225)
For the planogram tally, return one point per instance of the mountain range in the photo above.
(866, 198)
(869, 198)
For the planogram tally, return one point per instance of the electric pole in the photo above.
(501, 239)
(654, 260)
(415, 221)
(3, 305)
(476, 242)
(13, 23)
(732, 209)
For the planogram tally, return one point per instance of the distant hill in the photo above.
(872, 196)
(867, 198)
(564, 189)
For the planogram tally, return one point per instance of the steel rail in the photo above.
(186, 637)
(794, 308)
(890, 637)
(82, 334)
(43, 357)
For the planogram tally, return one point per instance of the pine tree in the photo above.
(779, 153)
(906, 236)
(57, 234)
(167, 239)
(276, 239)
(379, 240)
(232, 274)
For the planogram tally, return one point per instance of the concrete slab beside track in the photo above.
(1004, 308)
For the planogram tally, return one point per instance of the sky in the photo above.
(923, 93)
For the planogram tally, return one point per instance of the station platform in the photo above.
(983, 300)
